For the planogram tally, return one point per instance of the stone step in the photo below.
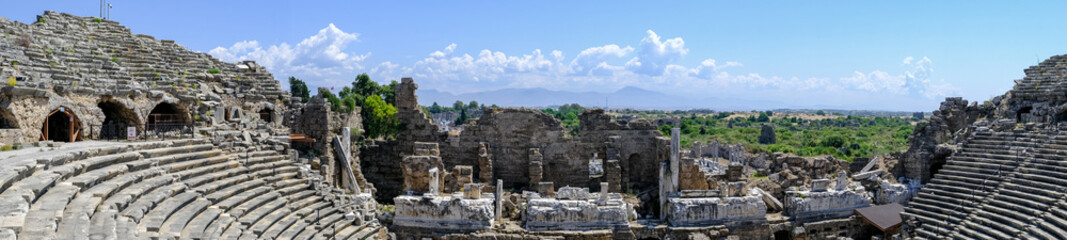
(307, 216)
(177, 222)
(198, 227)
(240, 198)
(256, 209)
(158, 215)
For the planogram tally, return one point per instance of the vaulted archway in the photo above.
(117, 118)
(167, 116)
(61, 125)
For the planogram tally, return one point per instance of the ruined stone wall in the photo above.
(640, 145)
(511, 133)
(317, 121)
(75, 63)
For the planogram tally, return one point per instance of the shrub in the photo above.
(14, 63)
(7, 148)
(214, 70)
(97, 20)
(41, 20)
(11, 81)
(115, 60)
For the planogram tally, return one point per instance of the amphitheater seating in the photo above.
(1000, 185)
(182, 189)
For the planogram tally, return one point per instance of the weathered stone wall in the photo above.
(75, 63)
(704, 211)
(444, 212)
(317, 121)
(814, 206)
(511, 133)
(575, 209)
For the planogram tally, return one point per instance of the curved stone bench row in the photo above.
(180, 189)
(1001, 185)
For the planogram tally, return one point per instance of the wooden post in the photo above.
(45, 136)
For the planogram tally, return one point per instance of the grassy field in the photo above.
(803, 134)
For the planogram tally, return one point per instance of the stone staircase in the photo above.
(185, 189)
(1000, 185)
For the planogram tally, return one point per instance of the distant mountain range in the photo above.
(627, 97)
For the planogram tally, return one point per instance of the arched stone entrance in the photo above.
(61, 125)
(167, 116)
(1023, 114)
(117, 118)
(267, 115)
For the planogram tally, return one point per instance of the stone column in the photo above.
(603, 191)
(347, 141)
(434, 186)
(675, 158)
(499, 199)
(485, 163)
(841, 181)
(536, 170)
(663, 191)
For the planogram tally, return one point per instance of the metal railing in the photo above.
(143, 132)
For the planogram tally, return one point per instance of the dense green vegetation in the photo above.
(568, 116)
(843, 137)
(298, 88)
(821, 133)
(376, 103)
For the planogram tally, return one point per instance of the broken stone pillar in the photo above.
(613, 174)
(546, 189)
(499, 198)
(220, 114)
(485, 163)
(434, 176)
(697, 150)
(842, 182)
(536, 169)
(603, 191)
(715, 150)
(767, 135)
(675, 151)
(472, 191)
(664, 185)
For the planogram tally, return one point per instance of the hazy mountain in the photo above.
(627, 97)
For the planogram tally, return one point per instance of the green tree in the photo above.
(458, 105)
(298, 88)
(364, 86)
(820, 113)
(462, 119)
(834, 141)
(473, 105)
(335, 102)
(435, 108)
(378, 119)
(763, 117)
(345, 92)
(389, 93)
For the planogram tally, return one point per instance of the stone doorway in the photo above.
(1023, 114)
(167, 116)
(267, 115)
(61, 125)
(116, 119)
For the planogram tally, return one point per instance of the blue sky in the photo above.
(900, 55)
